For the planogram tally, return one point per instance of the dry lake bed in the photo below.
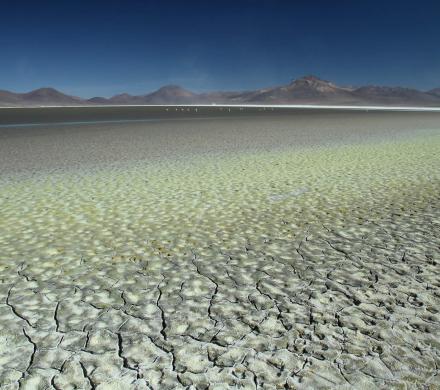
(212, 249)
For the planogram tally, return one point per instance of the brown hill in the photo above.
(394, 96)
(305, 90)
(39, 97)
(435, 92)
(9, 98)
(171, 93)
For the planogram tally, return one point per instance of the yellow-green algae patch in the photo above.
(164, 209)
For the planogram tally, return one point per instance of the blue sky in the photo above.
(100, 48)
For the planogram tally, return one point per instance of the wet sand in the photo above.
(291, 251)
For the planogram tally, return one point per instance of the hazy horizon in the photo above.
(201, 91)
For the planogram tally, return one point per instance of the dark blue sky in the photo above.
(90, 48)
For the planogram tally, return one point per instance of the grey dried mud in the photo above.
(273, 270)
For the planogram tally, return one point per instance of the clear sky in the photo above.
(91, 48)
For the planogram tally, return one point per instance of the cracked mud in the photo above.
(273, 270)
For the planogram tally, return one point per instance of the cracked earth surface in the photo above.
(290, 270)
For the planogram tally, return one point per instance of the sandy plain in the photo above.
(292, 251)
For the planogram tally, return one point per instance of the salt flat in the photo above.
(255, 251)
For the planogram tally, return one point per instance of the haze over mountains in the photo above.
(305, 90)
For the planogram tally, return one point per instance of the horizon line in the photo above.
(306, 106)
(196, 91)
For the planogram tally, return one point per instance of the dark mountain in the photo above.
(125, 98)
(394, 96)
(171, 93)
(49, 96)
(435, 92)
(168, 94)
(305, 90)
(9, 98)
(98, 100)
(38, 97)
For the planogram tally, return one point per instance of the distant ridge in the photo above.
(305, 90)
(435, 91)
(38, 97)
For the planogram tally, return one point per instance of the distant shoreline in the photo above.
(302, 106)
(75, 115)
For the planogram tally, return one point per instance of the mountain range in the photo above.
(305, 90)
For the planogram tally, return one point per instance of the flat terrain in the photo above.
(294, 249)
(160, 135)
